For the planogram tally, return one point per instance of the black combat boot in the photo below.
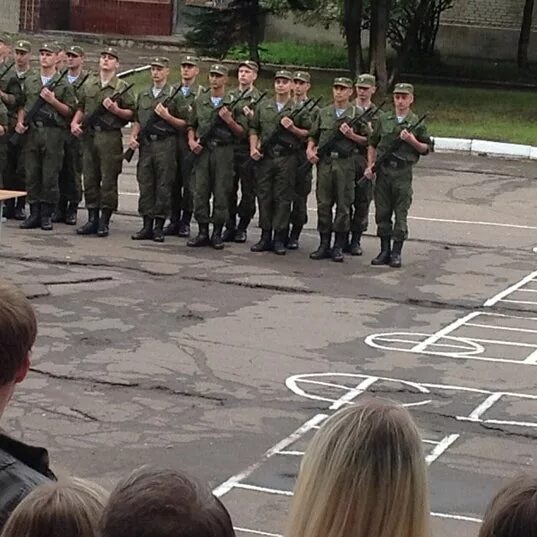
(146, 233)
(279, 242)
(34, 220)
(46, 216)
(347, 247)
(71, 213)
(104, 223)
(217, 240)
(292, 242)
(385, 252)
(59, 211)
(323, 252)
(92, 225)
(241, 234)
(395, 260)
(20, 209)
(184, 224)
(172, 229)
(339, 243)
(158, 231)
(355, 247)
(202, 239)
(229, 233)
(265, 242)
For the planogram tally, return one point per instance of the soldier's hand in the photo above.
(369, 173)
(287, 122)
(47, 95)
(76, 129)
(255, 154)
(134, 144)
(248, 112)
(226, 114)
(110, 105)
(20, 128)
(195, 147)
(2, 130)
(346, 130)
(162, 111)
(407, 136)
(311, 155)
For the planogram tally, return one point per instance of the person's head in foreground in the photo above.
(156, 502)
(363, 475)
(513, 511)
(18, 330)
(67, 508)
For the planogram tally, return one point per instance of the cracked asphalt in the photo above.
(153, 353)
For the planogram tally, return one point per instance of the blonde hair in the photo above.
(513, 511)
(363, 475)
(67, 508)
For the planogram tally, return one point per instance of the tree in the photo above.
(524, 37)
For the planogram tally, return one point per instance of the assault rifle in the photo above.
(337, 135)
(393, 147)
(77, 85)
(37, 106)
(6, 70)
(101, 110)
(205, 137)
(151, 122)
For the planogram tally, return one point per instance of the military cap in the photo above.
(23, 46)
(5, 39)
(404, 87)
(303, 76)
(49, 47)
(342, 81)
(284, 74)
(366, 80)
(218, 69)
(111, 51)
(190, 60)
(160, 61)
(60, 45)
(250, 64)
(75, 50)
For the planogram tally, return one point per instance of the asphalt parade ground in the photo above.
(225, 363)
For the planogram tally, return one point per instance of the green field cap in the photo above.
(343, 81)
(60, 45)
(284, 74)
(250, 64)
(160, 61)
(302, 76)
(404, 88)
(5, 39)
(366, 80)
(23, 46)
(111, 51)
(75, 50)
(49, 47)
(218, 69)
(190, 60)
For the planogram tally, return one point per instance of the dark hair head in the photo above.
(154, 502)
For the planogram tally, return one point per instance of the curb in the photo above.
(485, 148)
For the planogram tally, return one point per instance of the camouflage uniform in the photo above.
(4, 122)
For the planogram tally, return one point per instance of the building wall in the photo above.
(9, 15)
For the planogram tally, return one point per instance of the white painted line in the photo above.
(448, 345)
(519, 301)
(508, 328)
(352, 394)
(434, 442)
(294, 453)
(278, 492)
(442, 446)
(528, 290)
(233, 481)
(499, 422)
(532, 358)
(502, 342)
(420, 347)
(257, 532)
(485, 405)
(462, 518)
(472, 222)
(500, 296)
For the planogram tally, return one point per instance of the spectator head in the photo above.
(154, 502)
(513, 511)
(18, 330)
(70, 508)
(363, 475)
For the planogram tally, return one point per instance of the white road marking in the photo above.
(268, 490)
(258, 532)
(485, 405)
(442, 446)
(506, 292)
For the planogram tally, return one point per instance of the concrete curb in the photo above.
(485, 148)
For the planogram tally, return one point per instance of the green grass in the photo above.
(462, 112)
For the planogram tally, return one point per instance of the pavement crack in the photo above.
(252, 285)
(78, 281)
(75, 413)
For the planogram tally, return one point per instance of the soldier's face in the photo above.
(47, 59)
(246, 76)
(341, 94)
(189, 72)
(402, 101)
(301, 88)
(159, 74)
(108, 62)
(283, 86)
(22, 59)
(4, 49)
(74, 61)
(61, 60)
(365, 93)
(217, 81)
